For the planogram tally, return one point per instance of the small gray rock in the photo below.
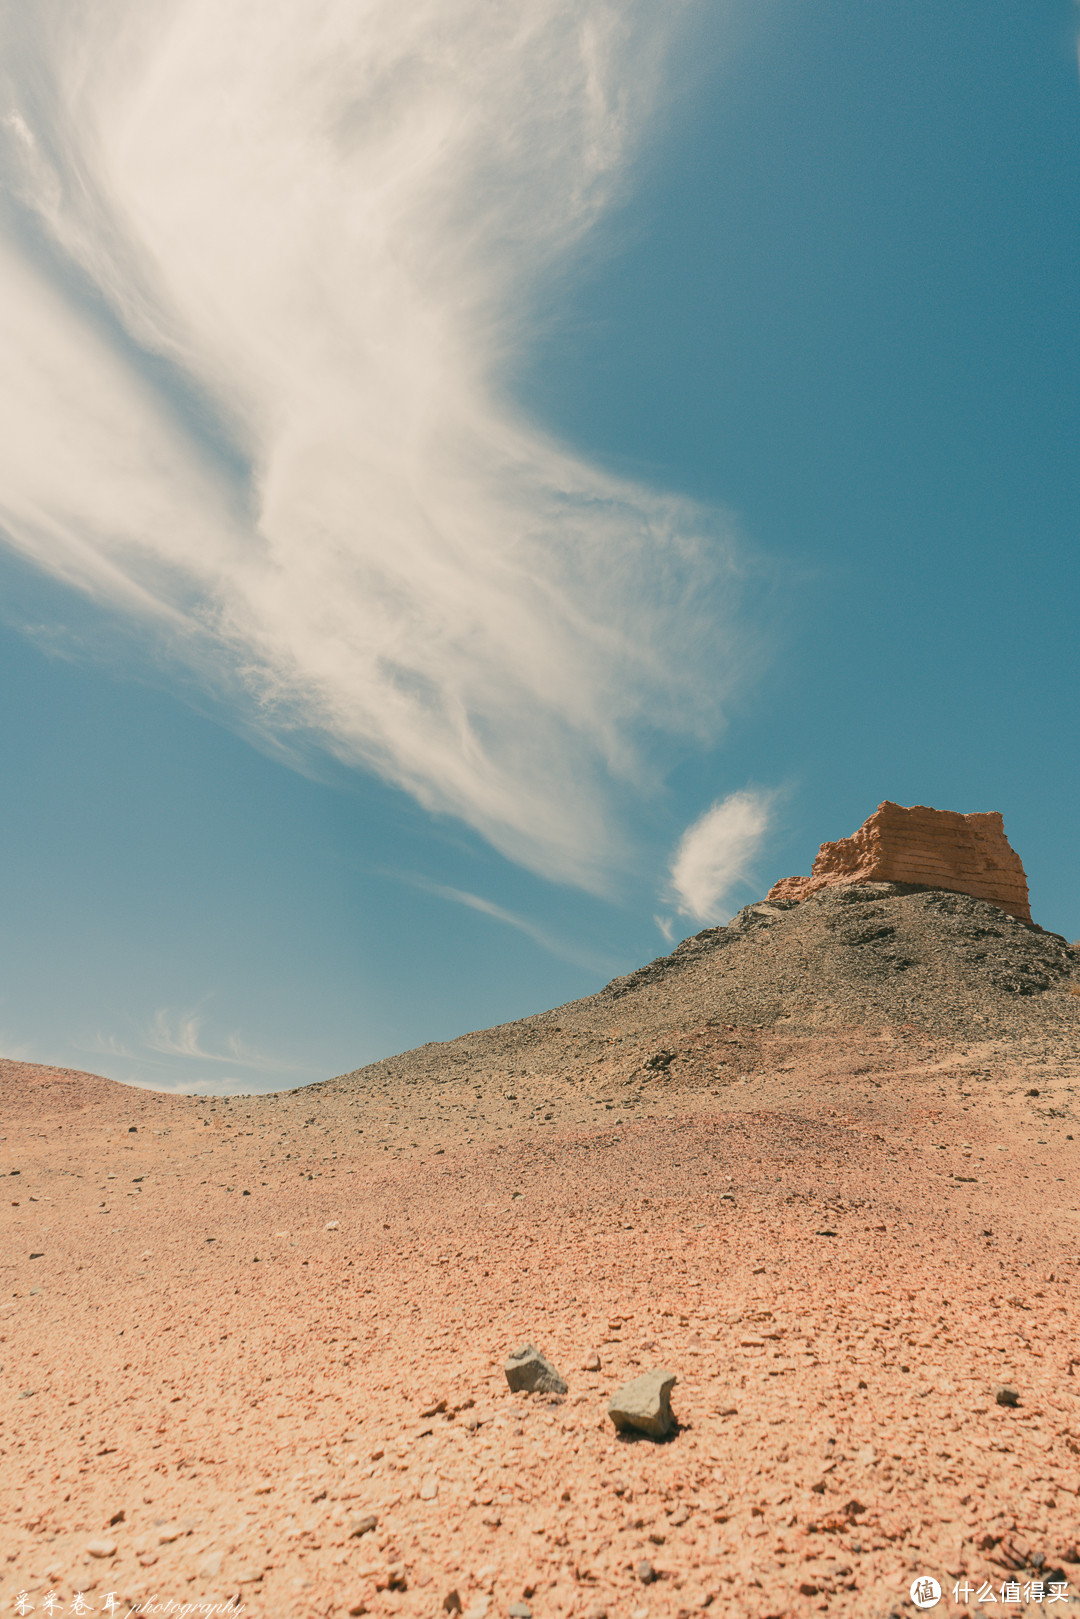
(644, 1405)
(101, 1548)
(519, 1610)
(1004, 1395)
(528, 1369)
(645, 1572)
(363, 1526)
(451, 1602)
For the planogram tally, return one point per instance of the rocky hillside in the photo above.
(864, 955)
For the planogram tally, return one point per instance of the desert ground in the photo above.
(821, 1164)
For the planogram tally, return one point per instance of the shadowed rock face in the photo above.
(964, 854)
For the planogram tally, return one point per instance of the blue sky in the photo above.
(438, 471)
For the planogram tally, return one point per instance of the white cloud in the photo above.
(264, 274)
(170, 1053)
(716, 852)
(180, 1035)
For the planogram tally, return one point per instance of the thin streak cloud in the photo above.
(265, 276)
(592, 962)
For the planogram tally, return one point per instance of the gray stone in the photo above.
(645, 1572)
(1004, 1395)
(362, 1526)
(644, 1405)
(451, 1602)
(528, 1369)
(519, 1610)
(101, 1548)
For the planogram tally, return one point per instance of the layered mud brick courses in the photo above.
(967, 854)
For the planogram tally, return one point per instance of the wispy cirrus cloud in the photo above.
(264, 276)
(180, 1035)
(172, 1052)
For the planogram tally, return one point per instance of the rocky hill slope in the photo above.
(867, 956)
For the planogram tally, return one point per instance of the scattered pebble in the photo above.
(101, 1548)
(591, 1363)
(1004, 1395)
(528, 1369)
(363, 1526)
(644, 1405)
(645, 1571)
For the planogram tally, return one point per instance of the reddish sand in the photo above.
(244, 1331)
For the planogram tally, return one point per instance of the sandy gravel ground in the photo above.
(235, 1333)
